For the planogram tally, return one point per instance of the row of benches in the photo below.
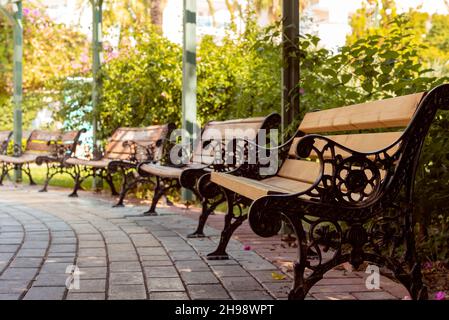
(348, 194)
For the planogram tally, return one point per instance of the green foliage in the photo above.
(239, 77)
(50, 51)
(371, 68)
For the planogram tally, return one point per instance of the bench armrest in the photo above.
(348, 177)
(148, 152)
(250, 167)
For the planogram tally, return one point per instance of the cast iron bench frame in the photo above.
(123, 155)
(44, 147)
(375, 226)
(195, 175)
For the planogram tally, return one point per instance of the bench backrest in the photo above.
(49, 142)
(389, 113)
(5, 136)
(239, 128)
(153, 137)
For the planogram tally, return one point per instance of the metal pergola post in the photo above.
(97, 19)
(16, 20)
(290, 72)
(189, 78)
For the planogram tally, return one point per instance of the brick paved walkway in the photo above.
(121, 255)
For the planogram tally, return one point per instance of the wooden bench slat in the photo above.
(300, 170)
(216, 130)
(363, 142)
(253, 189)
(41, 135)
(144, 136)
(388, 113)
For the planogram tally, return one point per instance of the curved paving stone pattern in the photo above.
(121, 255)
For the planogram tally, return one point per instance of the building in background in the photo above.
(329, 19)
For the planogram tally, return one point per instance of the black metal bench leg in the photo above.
(48, 177)
(300, 287)
(110, 182)
(3, 174)
(159, 191)
(27, 171)
(77, 177)
(207, 210)
(228, 230)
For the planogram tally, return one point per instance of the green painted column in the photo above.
(97, 20)
(290, 72)
(18, 76)
(189, 79)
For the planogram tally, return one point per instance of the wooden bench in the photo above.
(124, 150)
(42, 147)
(207, 157)
(348, 197)
(5, 137)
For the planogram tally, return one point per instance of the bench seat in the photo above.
(23, 159)
(168, 171)
(344, 187)
(254, 189)
(103, 163)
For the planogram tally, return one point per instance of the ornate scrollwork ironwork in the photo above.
(353, 209)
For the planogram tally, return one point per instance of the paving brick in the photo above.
(176, 295)
(241, 283)
(51, 280)
(85, 296)
(91, 244)
(62, 248)
(230, 271)
(91, 262)
(191, 265)
(8, 248)
(151, 251)
(90, 286)
(13, 286)
(338, 288)
(198, 277)
(9, 296)
(26, 262)
(54, 268)
(93, 272)
(124, 266)
(334, 296)
(92, 252)
(45, 293)
(250, 295)
(374, 295)
(207, 292)
(126, 278)
(165, 284)
(31, 253)
(161, 272)
(127, 292)
(19, 274)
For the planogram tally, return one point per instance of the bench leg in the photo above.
(51, 172)
(27, 170)
(3, 173)
(77, 179)
(207, 209)
(231, 224)
(159, 191)
(124, 190)
(109, 180)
